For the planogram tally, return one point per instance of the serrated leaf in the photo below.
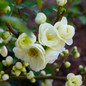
(48, 11)
(39, 3)
(17, 23)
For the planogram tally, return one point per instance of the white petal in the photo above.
(4, 51)
(69, 42)
(64, 20)
(70, 75)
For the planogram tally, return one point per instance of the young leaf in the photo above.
(17, 23)
(39, 3)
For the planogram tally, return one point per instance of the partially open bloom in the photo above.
(64, 31)
(40, 18)
(34, 55)
(51, 55)
(3, 51)
(24, 40)
(73, 80)
(61, 2)
(48, 37)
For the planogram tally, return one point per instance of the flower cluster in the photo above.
(52, 37)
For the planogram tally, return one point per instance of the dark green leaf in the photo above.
(39, 3)
(0, 66)
(48, 11)
(1, 45)
(83, 19)
(17, 23)
(29, 4)
(49, 70)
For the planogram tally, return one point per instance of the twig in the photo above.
(11, 29)
(38, 78)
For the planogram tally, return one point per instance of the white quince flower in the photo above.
(24, 40)
(40, 18)
(61, 2)
(64, 31)
(34, 55)
(73, 80)
(3, 51)
(51, 55)
(48, 37)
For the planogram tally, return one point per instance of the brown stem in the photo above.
(38, 78)
(11, 29)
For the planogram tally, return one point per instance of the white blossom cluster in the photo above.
(51, 42)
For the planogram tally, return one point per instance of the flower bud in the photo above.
(9, 60)
(25, 64)
(14, 68)
(17, 72)
(33, 80)
(77, 55)
(43, 73)
(67, 64)
(4, 63)
(61, 54)
(57, 70)
(61, 2)
(5, 35)
(66, 52)
(2, 72)
(30, 75)
(23, 69)
(5, 77)
(81, 67)
(18, 65)
(40, 18)
(42, 84)
(7, 9)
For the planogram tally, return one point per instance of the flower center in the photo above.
(33, 52)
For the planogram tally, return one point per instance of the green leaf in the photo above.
(29, 4)
(48, 11)
(76, 2)
(39, 3)
(1, 45)
(3, 4)
(17, 23)
(49, 70)
(83, 19)
(0, 66)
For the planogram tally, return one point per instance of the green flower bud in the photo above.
(67, 64)
(81, 67)
(5, 35)
(14, 68)
(4, 63)
(33, 80)
(30, 75)
(77, 55)
(43, 73)
(23, 69)
(18, 65)
(57, 70)
(9, 60)
(17, 72)
(61, 54)
(2, 72)
(66, 52)
(25, 64)
(7, 9)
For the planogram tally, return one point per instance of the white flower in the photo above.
(51, 55)
(34, 55)
(73, 80)
(5, 77)
(24, 40)
(61, 2)
(9, 60)
(65, 31)
(40, 18)
(48, 37)
(3, 51)
(48, 82)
